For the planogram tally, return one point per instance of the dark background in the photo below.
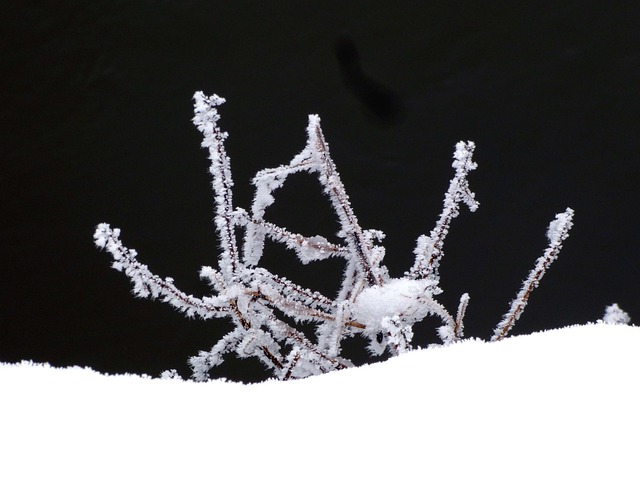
(95, 105)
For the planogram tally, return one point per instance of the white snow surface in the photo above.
(556, 404)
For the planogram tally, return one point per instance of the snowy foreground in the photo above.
(556, 404)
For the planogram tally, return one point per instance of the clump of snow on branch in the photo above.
(266, 308)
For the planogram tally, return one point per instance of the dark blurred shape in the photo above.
(378, 100)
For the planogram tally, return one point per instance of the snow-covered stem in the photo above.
(266, 309)
(308, 249)
(458, 326)
(146, 284)
(430, 250)
(452, 329)
(557, 232)
(206, 120)
(315, 158)
(359, 244)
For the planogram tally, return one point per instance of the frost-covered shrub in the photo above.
(265, 308)
(614, 315)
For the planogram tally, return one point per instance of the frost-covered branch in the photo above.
(557, 233)
(146, 284)
(205, 119)
(315, 158)
(308, 249)
(453, 329)
(430, 250)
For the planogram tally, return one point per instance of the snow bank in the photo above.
(557, 404)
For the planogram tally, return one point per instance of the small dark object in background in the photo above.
(377, 99)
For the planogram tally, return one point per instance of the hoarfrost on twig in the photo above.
(557, 232)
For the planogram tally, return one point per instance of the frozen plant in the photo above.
(265, 308)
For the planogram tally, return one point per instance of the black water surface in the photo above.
(95, 102)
